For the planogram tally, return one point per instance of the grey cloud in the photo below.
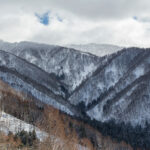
(104, 9)
(88, 9)
(142, 19)
(84, 21)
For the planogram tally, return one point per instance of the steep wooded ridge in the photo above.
(114, 87)
(65, 78)
(59, 130)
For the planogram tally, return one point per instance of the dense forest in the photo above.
(137, 136)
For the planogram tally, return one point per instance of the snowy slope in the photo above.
(70, 65)
(120, 89)
(106, 76)
(9, 123)
(14, 125)
(33, 81)
(96, 49)
(115, 86)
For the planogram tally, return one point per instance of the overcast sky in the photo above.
(119, 22)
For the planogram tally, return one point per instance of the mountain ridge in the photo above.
(96, 49)
(85, 78)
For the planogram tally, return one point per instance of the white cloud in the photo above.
(84, 21)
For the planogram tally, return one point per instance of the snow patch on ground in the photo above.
(14, 125)
(9, 123)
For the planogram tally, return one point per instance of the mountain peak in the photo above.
(96, 49)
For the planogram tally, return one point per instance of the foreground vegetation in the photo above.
(65, 132)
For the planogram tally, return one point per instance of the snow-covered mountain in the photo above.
(96, 49)
(115, 86)
(70, 65)
(32, 80)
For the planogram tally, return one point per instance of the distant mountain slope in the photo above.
(32, 80)
(115, 86)
(70, 65)
(96, 49)
(119, 90)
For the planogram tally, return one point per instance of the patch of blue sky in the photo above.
(43, 18)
